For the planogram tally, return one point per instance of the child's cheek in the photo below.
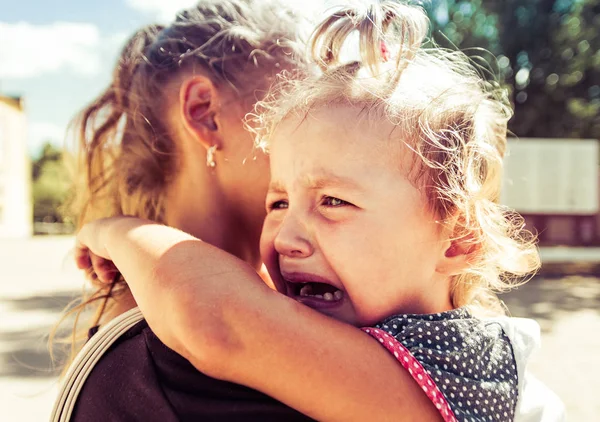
(268, 253)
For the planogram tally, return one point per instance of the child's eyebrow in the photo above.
(325, 179)
(276, 187)
(321, 180)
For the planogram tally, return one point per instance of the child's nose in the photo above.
(292, 240)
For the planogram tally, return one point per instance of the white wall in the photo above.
(15, 179)
(552, 176)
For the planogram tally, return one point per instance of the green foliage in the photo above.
(51, 185)
(548, 53)
(464, 24)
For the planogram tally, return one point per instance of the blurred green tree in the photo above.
(51, 184)
(464, 24)
(548, 53)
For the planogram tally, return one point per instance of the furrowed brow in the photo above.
(276, 187)
(327, 180)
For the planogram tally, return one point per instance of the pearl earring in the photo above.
(210, 156)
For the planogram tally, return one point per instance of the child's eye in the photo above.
(277, 205)
(334, 202)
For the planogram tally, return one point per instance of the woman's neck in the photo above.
(201, 210)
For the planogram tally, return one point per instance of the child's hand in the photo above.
(90, 252)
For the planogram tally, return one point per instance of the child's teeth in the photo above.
(305, 291)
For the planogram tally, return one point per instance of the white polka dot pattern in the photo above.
(416, 370)
(469, 362)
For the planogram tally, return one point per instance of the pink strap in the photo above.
(416, 370)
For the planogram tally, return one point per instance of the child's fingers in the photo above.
(104, 269)
(82, 258)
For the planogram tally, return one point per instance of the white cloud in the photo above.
(161, 10)
(30, 50)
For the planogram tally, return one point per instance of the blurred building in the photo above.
(15, 178)
(555, 185)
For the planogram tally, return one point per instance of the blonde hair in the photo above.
(453, 120)
(127, 155)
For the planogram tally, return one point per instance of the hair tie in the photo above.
(385, 52)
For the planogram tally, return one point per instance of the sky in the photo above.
(59, 54)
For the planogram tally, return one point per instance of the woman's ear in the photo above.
(199, 106)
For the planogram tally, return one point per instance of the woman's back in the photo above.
(139, 378)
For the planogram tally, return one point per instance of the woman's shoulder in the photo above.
(140, 378)
(124, 384)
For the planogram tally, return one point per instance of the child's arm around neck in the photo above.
(213, 309)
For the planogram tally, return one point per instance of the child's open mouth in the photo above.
(318, 291)
(312, 290)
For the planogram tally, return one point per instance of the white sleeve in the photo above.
(536, 402)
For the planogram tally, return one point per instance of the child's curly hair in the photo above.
(445, 112)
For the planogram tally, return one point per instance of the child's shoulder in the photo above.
(464, 364)
(447, 332)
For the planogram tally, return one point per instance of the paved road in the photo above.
(37, 280)
(568, 311)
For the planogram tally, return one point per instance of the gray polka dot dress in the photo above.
(465, 365)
